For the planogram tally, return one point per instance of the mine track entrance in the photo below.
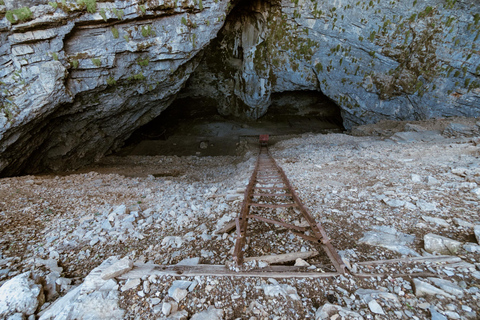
(269, 188)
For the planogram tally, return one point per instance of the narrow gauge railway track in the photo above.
(269, 187)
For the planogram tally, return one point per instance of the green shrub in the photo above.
(75, 63)
(111, 81)
(103, 14)
(126, 37)
(137, 77)
(22, 14)
(200, 4)
(143, 9)
(96, 62)
(55, 56)
(115, 32)
(54, 5)
(184, 21)
(90, 5)
(10, 17)
(118, 13)
(143, 62)
(2, 3)
(147, 31)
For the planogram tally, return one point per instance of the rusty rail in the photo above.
(267, 181)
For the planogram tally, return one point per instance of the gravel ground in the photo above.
(165, 209)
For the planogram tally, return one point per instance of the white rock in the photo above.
(390, 238)
(476, 191)
(416, 178)
(471, 247)
(180, 315)
(476, 229)
(328, 311)
(283, 290)
(439, 221)
(463, 223)
(20, 294)
(426, 206)
(130, 284)
(166, 308)
(301, 263)
(375, 307)
(425, 289)
(448, 286)
(179, 294)
(394, 203)
(117, 269)
(95, 298)
(441, 245)
(210, 314)
(189, 262)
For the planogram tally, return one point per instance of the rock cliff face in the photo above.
(77, 78)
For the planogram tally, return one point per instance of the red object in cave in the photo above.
(263, 139)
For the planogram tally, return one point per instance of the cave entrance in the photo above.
(193, 126)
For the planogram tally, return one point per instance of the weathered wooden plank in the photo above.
(282, 258)
(438, 259)
(141, 270)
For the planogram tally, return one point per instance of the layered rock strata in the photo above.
(77, 78)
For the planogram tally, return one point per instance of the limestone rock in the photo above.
(328, 311)
(425, 289)
(117, 269)
(375, 307)
(20, 295)
(283, 290)
(441, 245)
(448, 286)
(210, 314)
(476, 229)
(95, 298)
(390, 238)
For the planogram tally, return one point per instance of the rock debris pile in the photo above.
(89, 243)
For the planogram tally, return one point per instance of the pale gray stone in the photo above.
(426, 206)
(117, 269)
(328, 311)
(390, 238)
(476, 230)
(210, 314)
(375, 307)
(95, 298)
(131, 284)
(439, 221)
(16, 316)
(301, 263)
(179, 315)
(20, 294)
(448, 286)
(425, 289)
(436, 315)
(283, 290)
(471, 247)
(440, 244)
(463, 223)
(179, 284)
(394, 203)
(166, 308)
(178, 294)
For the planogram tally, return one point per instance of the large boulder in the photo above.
(20, 295)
